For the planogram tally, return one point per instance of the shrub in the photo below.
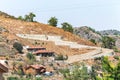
(116, 57)
(108, 42)
(30, 56)
(38, 78)
(18, 46)
(93, 41)
(77, 73)
(61, 57)
(12, 78)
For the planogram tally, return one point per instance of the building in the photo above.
(44, 53)
(35, 69)
(34, 49)
(3, 69)
(40, 51)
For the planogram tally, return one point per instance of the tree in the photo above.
(110, 71)
(26, 18)
(77, 73)
(67, 27)
(108, 42)
(53, 21)
(20, 18)
(31, 16)
(18, 46)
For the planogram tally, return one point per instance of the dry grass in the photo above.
(21, 27)
(17, 26)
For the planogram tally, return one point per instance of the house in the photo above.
(35, 69)
(44, 53)
(3, 69)
(40, 51)
(35, 48)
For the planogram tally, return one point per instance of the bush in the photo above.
(116, 57)
(30, 56)
(93, 41)
(18, 46)
(38, 78)
(61, 57)
(12, 78)
(77, 73)
(108, 42)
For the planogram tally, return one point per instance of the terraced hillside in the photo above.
(53, 38)
(21, 27)
(10, 27)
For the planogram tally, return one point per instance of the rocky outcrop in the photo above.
(109, 32)
(87, 33)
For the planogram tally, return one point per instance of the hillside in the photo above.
(115, 34)
(6, 49)
(87, 33)
(10, 26)
(46, 49)
(3, 14)
(91, 34)
(16, 26)
(109, 32)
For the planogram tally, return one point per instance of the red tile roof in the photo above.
(4, 68)
(42, 52)
(36, 47)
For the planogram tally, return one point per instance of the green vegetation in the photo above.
(29, 17)
(110, 71)
(53, 21)
(30, 56)
(108, 42)
(16, 78)
(12, 78)
(76, 73)
(61, 57)
(18, 46)
(67, 27)
(93, 40)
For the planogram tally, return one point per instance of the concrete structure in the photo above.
(57, 39)
(98, 52)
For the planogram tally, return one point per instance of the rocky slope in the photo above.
(109, 32)
(87, 33)
(115, 34)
